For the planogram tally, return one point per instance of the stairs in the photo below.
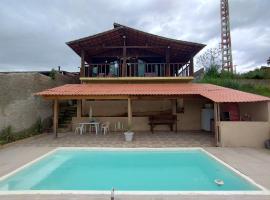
(65, 115)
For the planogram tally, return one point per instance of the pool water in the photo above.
(132, 170)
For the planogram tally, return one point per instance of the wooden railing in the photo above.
(137, 70)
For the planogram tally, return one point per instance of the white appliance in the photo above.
(206, 115)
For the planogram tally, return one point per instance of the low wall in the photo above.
(244, 134)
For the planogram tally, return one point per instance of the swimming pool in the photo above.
(132, 170)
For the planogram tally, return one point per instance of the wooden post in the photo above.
(129, 113)
(167, 71)
(82, 71)
(191, 67)
(124, 64)
(55, 117)
(79, 108)
(84, 112)
(90, 68)
(174, 105)
(216, 123)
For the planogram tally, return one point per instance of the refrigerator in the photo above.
(206, 115)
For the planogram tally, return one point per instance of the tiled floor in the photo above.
(254, 163)
(142, 139)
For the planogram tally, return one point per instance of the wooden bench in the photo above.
(169, 120)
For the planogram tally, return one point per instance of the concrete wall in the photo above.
(115, 111)
(18, 106)
(244, 134)
(257, 110)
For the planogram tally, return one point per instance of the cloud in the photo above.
(33, 32)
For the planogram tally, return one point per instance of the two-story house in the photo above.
(144, 82)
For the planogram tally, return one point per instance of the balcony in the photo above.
(114, 70)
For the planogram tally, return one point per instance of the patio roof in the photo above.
(215, 93)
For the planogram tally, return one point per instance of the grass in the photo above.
(229, 80)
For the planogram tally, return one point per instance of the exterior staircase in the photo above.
(66, 112)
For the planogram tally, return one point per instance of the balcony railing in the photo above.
(137, 70)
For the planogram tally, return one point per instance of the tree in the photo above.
(268, 61)
(210, 59)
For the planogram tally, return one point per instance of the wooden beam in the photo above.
(55, 117)
(82, 70)
(128, 47)
(69, 97)
(129, 113)
(79, 108)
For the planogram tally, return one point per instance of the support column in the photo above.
(216, 123)
(167, 70)
(82, 70)
(129, 113)
(79, 108)
(191, 67)
(55, 117)
(174, 105)
(84, 111)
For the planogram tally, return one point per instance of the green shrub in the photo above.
(256, 74)
(38, 127)
(6, 135)
(212, 72)
(227, 75)
(53, 74)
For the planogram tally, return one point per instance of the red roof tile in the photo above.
(212, 92)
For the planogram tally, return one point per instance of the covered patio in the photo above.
(133, 104)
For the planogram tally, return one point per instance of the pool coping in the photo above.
(262, 191)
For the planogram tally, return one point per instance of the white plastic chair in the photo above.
(79, 129)
(105, 128)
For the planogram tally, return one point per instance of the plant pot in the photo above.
(129, 136)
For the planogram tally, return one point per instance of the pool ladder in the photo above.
(112, 194)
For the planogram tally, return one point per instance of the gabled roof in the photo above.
(215, 93)
(181, 51)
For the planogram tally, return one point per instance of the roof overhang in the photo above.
(122, 91)
(111, 41)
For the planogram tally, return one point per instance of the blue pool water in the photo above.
(177, 170)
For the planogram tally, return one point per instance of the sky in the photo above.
(33, 33)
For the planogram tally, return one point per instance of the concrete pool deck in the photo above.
(255, 163)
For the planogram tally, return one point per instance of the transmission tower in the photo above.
(226, 46)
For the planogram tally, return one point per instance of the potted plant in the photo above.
(129, 134)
